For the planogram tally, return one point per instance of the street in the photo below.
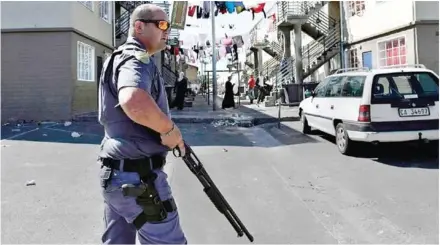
(285, 187)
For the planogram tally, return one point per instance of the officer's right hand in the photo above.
(174, 139)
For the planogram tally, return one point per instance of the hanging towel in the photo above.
(230, 6)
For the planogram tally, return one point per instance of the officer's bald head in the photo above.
(148, 33)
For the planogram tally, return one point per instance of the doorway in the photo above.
(367, 60)
(99, 64)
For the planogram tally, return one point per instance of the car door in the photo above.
(327, 107)
(314, 116)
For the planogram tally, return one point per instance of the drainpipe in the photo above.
(341, 26)
(416, 46)
(114, 22)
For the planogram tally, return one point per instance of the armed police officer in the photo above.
(133, 108)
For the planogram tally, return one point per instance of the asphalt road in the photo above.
(285, 187)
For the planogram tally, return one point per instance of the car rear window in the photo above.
(395, 86)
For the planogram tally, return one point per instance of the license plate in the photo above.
(414, 112)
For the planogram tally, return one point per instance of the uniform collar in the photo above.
(135, 41)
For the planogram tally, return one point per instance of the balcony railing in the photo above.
(131, 5)
(295, 10)
(122, 24)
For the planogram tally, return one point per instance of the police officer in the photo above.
(133, 108)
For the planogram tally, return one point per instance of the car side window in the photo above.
(353, 86)
(334, 87)
(320, 89)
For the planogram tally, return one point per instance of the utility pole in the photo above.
(214, 59)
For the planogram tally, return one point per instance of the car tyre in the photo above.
(306, 129)
(343, 142)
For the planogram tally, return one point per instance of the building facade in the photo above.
(388, 33)
(52, 55)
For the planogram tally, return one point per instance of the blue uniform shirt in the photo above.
(125, 139)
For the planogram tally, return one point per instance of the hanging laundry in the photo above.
(230, 7)
(206, 8)
(258, 9)
(238, 40)
(192, 10)
(272, 23)
(234, 47)
(227, 41)
(199, 12)
(221, 7)
(228, 50)
(239, 7)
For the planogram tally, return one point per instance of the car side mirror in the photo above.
(313, 94)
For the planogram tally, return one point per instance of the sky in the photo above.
(242, 22)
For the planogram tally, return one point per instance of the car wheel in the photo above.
(343, 142)
(306, 129)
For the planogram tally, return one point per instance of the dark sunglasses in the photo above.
(161, 24)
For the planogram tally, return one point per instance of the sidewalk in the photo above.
(244, 115)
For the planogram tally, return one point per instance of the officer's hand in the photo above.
(174, 139)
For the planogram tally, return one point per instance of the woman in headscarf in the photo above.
(180, 88)
(228, 100)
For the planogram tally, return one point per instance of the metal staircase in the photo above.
(122, 23)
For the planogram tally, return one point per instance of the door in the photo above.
(367, 60)
(99, 64)
(313, 111)
(330, 107)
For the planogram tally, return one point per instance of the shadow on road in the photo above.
(404, 155)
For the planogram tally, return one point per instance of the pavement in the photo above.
(285, 187)
(245, 114)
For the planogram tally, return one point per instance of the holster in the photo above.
(154, 209)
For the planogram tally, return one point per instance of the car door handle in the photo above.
(332, 107)
(317, 106)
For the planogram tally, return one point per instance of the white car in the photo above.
(395, 104)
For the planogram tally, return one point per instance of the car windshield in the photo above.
(404, 85)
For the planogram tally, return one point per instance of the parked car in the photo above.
(395, 104)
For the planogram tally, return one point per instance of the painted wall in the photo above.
(377, 18)
(43, 14)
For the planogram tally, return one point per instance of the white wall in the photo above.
(21, 15)
(379, 17)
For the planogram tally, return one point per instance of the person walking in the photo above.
(139, 132)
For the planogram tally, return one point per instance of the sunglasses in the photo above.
(161, 24)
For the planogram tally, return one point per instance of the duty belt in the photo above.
(142, 166)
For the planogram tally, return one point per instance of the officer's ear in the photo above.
(139, 27)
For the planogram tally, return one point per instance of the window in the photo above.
(320, 88)
(354, 58)
(334, 87)
(353, 86)
(86, 62)
(392, 52)
(356, 8)
(393, 86)
(105, 10)
(88, 4)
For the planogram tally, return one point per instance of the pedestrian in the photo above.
(228, 100)
(181, 88)
(139, 132)
(251, 87)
